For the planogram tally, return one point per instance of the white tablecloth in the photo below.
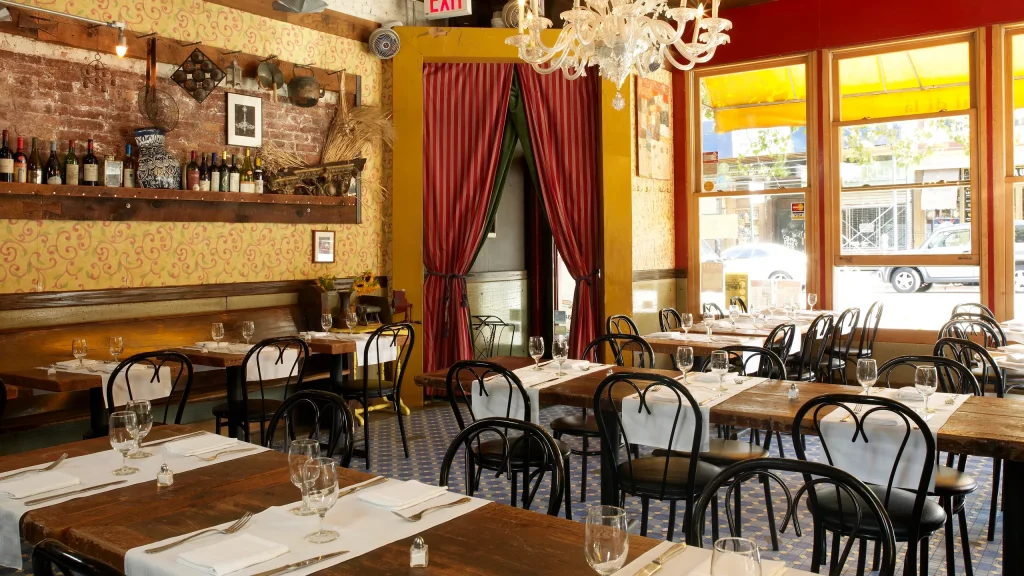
(697, 562)
(362, 527)
(872, 462)
(144, 386)
(92, 470)
(495, 402)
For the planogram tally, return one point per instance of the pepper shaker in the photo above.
(794, 393)
(164, 477)
(418, 553)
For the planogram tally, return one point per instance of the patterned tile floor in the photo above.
(430, 430)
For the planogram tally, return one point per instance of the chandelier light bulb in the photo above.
(122, 44)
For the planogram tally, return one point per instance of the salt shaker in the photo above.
(793, 394)
(164, 477)
(418, 553)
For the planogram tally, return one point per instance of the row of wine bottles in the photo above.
(208, 175)
(17, 166)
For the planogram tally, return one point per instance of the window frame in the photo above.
(1005, 238)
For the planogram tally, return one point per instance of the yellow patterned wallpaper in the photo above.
(653, 207)
(58, 255)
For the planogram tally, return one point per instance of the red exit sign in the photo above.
(447, 8)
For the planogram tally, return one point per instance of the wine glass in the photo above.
(217, 332)
(720, 367)
(734, 312)
(812, 299)
(926, 379)
(867, 374)
(735, 557)
(123, 429)
(351, 320)
(320, 475)
(709, 319)
(686, 322)
(79, 349)
(684, 359)
(248, 329)
(326, 321)
(116, 347)
(301, 451)
(143, 411)
(536, 350)
(606, 542)
(560, 351)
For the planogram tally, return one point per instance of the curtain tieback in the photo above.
(448, 279)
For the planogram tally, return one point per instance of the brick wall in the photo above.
(44, 96)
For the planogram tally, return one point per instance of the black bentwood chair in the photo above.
(668, 475)
(780, 340)
(318, 411)
(532, 447)
(493, 454)
(737, 301)
(914, 517)
(621, 324)
(669, 319)
(973, 308)
(839, 344)
(868, 333)
(804, 367)
(816, 477)
(180, 372)
(712, 308)
(50, 553)
(262, 408)
(388, 381)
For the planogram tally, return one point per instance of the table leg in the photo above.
(235, 408)
(1013, 518)
(609, 461)
(97, 414)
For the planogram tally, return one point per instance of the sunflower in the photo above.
(360, 286)
(368, 277)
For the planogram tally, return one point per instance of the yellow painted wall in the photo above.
(653, 206)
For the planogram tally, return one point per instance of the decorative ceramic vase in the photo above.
(157, 167)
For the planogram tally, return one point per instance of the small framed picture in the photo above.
(323, 246)
(244, 120)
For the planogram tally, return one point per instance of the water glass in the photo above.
(143, 411)
(217, 331)
(926, 379)
(686, 322)
(560, 351)
(79, 349)
(248, 329)
(326, 322)
(720, 367)
(116, 347)
(735, 557)
(812, 299)
(734, 313)
(536, 350)
(123, 430)
(709, 320)
(320, 475)
(351, 320)
(867, 374)
(606, 542)
(301, 451)
(684, 359)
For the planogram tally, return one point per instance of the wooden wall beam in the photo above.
(328, 21)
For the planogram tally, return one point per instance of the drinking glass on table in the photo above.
(735, 557)
(560, 351)
(926, 379)
(123, 430)
(143, 411)
(248, 329)
(321, 478)
(116, 347)
(709, 320)
(536, 350)
(606, 542)
(684, 359)
(734, 313)
(812, 299)
(867, 374)
(720, 367)
(326, 321)
(217, 332)
(351, 320)
(301, 451)
(686, 322)
(79, 349)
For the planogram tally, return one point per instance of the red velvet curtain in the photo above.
(563, 118)
(464, 109)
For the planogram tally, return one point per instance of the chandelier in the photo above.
(620, 37)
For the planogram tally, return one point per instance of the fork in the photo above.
(952, 399)
(223, 452)
(51, 466)
(419, 515)
(238, 525)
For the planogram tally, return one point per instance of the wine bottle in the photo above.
(71, 165)
(257, 175)
(6, 162)
(204, 175)
(225, 176)
(128, 168)
(90, 167)
(52, 171)
(245, 179)
(35, 164)
(234, 176)
(192, 173)
(214, 173)
(20, 162)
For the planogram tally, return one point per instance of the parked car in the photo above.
(951, 239)
(766, 261)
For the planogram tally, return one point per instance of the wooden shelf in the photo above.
(45, 202)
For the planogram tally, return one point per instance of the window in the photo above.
(1015, 165)
(904, 151)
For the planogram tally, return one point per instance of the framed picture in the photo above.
(323, 246)
(244, 120)
(653, 129)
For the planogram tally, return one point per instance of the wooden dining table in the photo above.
(983, 426)
(495, 539)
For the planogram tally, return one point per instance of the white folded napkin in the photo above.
(211, 344)
(76, 363)
(710, 378)
(768, 568)
(200, 444)
(669, 335)
(398, 495)
(36, 483)
(1012, 348)
(231, 555)
(583, 365)
(238, 348)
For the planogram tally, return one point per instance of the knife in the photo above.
(301, 564)
(80, 491)
(659, 562)
(166, 440)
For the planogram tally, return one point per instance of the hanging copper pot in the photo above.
(304, 91)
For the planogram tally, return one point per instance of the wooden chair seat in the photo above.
(952, 482)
